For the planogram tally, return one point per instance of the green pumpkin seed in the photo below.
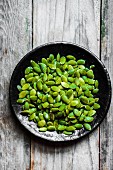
(22, 94)
(50, 83)
(58, 57)
(55, 124)
(65, 99)
(59, 72)
(72, 86)
(77, 74)
(45, 77)
(70, 57)
(51, 57)
(28, 70)
(43, 67)
(64, 66)
(22, 81)
(67, 133)
(55, 88)
(46, 116)
(19, 88)
(74, 121)
(32, 116)
(41, 117)
(61, 127)
(40, 106)
(85, 112)
(62, 122)
(71, 72)
(29, 80)
(51, 128)
(66, 74)
(41, 123)
(75, 102)
(58, 80)
(36, 119)
(72, 62)
(21, 100)
(92, 66)
(26, 106)
(33, 63)
(91, 113)
(69, 93)
(40, 95)
(95, 91)
(39, 85)
(84, 100)
(50, 76)
(85, 79)
(58, 98)
(62, 60)
(71, 115)
(49, 123)
(77, 112)
(78, 126)
(90, 74)
(44, 61)
(65, 85)
(45, 105)
(96, 106)
(91, 81)
(35, 85)
(64, 78)
(54, 94)
(59, 114)
(82, 117)
(50, 99)
(54, 109)
(37, 69)
(81, 62)
(87, 126)
(45, 98)
(70, 129)
(71, 79)
(31, 105)
(42, 129)
(57, 104)
(45, 88)
(82, 71)
(52, 66)
(33, 92)
(96, 84)
(91, 101)
(39, 101)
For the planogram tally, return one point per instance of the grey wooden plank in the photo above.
(106, 128)
(75, 21)
(15, 41)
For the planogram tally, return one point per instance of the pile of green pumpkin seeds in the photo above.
(59, 94)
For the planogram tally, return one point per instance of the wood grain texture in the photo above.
(106, 128)
(15, 41)
(75, 21)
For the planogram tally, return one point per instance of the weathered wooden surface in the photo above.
(28, 23)
(106, 128)
(15, 41)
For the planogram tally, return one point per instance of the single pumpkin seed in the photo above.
(22, 94)
(62, 60)
(41, 123)
(87, 126)
(42, 129)
(51, 128)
